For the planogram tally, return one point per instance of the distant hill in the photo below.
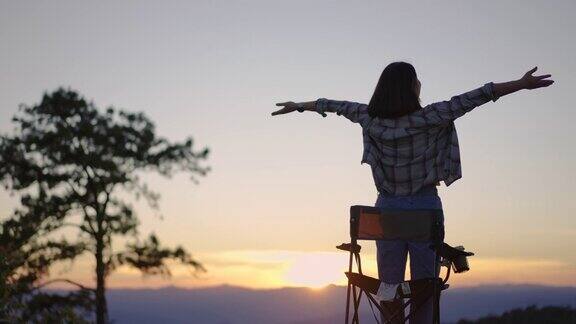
(234, 305)
(530, 315)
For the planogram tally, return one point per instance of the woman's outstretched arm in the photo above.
(528, 81)
(354, 111)
(444, 112)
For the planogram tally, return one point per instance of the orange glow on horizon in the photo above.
(272, 269)
(316, 270)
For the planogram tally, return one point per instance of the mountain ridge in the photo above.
(229, 304)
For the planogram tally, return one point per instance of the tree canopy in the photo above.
(75, 159)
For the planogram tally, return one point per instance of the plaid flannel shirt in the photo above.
(414, 150)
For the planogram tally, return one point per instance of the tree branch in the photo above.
(63, 280)
(88, 220)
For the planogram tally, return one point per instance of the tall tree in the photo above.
(69, 150)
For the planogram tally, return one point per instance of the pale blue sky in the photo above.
(215, 69)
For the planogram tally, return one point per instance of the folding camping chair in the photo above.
(372, 223)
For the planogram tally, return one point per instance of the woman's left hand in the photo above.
(289, 106)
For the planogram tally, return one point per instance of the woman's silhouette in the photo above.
(410, 149)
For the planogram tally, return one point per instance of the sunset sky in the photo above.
(275, 204)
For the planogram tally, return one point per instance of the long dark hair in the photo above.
(394, 95)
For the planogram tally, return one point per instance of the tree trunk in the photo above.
(101, 309)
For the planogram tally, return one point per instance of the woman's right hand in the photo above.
(288, 107)
(530, 81)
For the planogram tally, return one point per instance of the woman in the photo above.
(410, 149)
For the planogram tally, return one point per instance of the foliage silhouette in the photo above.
(530, 315)
(77, 159)
(26, 254)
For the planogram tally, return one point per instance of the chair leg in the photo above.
(348, 291)
(356, 301)
(348, 303)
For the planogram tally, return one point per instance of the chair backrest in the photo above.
(372, 223)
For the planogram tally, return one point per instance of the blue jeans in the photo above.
(392, 255)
